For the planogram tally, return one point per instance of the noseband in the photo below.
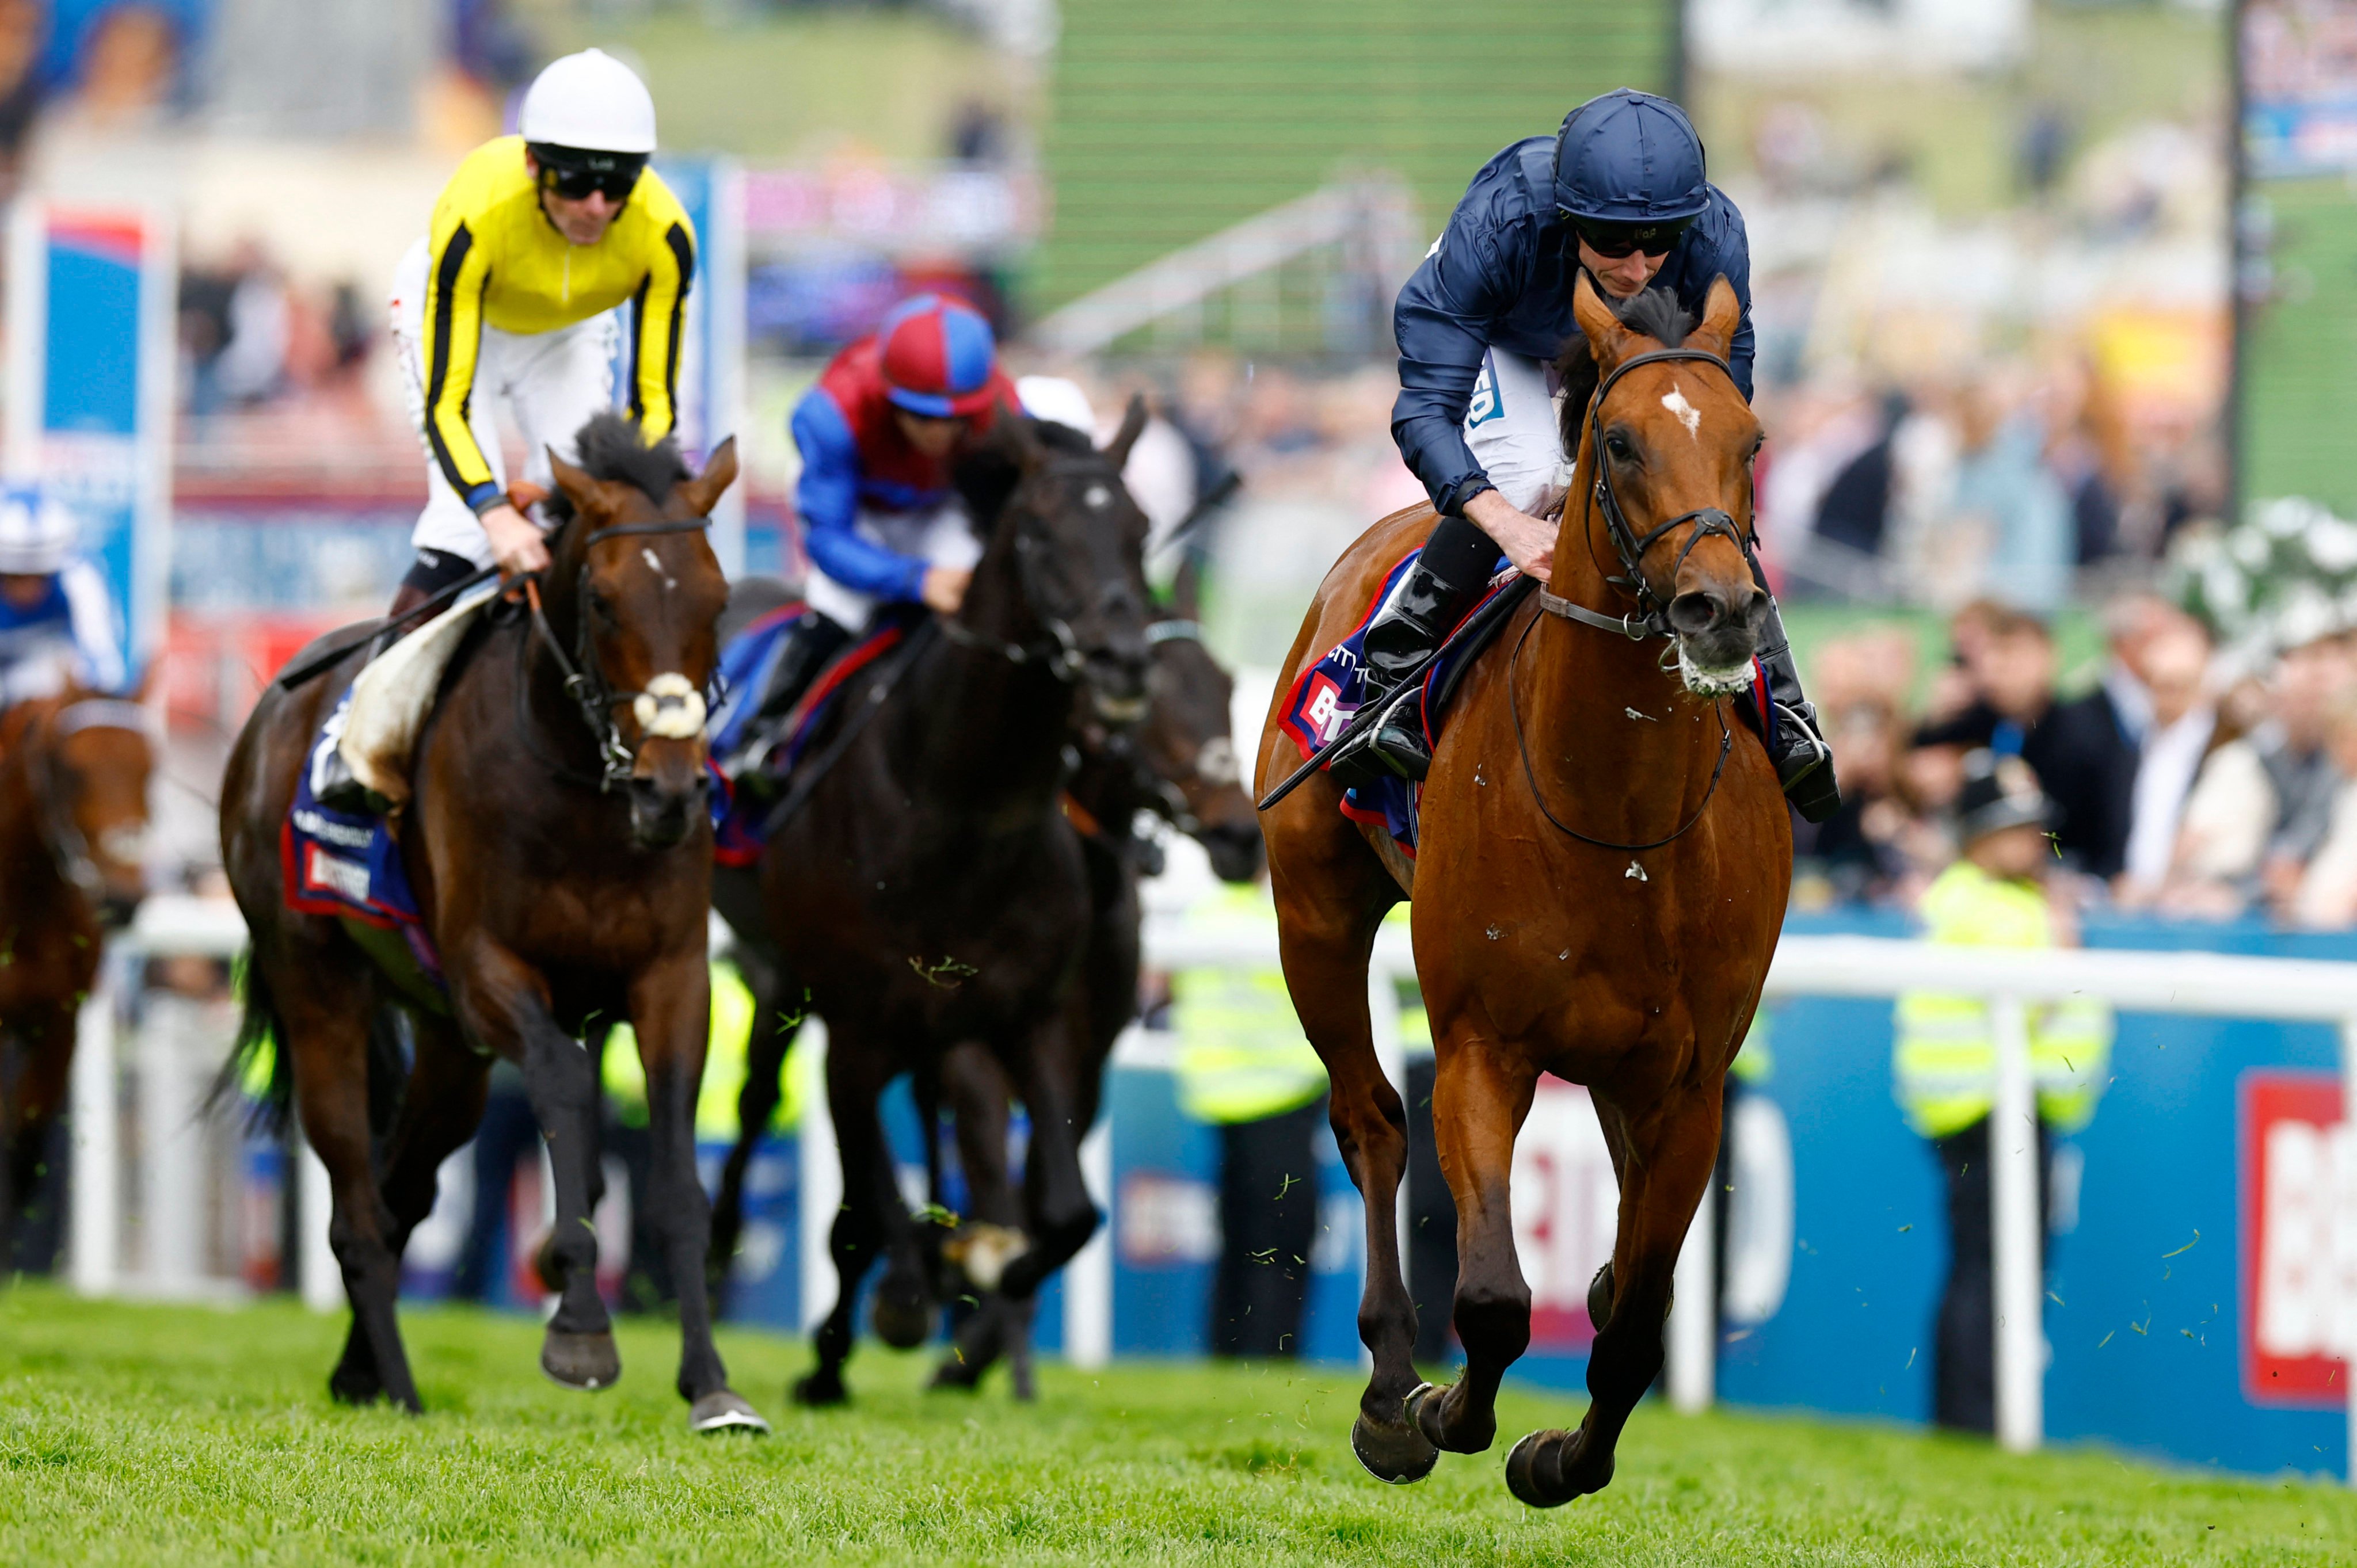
(584, 680)
(1651, 619)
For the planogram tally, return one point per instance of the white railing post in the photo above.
(170, 1101)
(2016, 1231)
(96, 1216)
(1694, 1310)
(821, 1172)
(1088, 1279)
(315, 1269)
(2348, 1308)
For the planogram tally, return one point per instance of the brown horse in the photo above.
(1603, 864)
(1180, 764)
(73, 829)
(560, 856)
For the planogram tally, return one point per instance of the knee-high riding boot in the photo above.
(1804, 763)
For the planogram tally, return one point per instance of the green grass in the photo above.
(151, 1435)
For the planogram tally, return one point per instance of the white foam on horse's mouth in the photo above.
(1704, 682)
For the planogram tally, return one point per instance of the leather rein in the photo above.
(1651, 619)
(584, 680)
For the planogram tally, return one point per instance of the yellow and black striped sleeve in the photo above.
(660, 315)
(458, 272)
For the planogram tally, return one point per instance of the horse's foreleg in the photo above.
(976, 1090)
(1481, 1094)
(1325, 951)
(1056, 1195)
(671, 1006)
(30, 1102)
(504, 1003)
(1672, 1147)
(869, 1198)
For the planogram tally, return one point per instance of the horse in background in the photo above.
(930, 890)
(560, 851)
(74, 772)
(1601, 876)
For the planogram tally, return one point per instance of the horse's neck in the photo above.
(989, 740)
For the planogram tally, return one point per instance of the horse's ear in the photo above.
(1023, 443)
(1133, 425)
(1722, 315)
(1608, 340)
(589, 496)
(1187, 589)
(703, 492)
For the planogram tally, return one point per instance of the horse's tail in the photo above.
(260, 1071)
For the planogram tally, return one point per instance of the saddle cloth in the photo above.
(747, 665)
(1328, 692)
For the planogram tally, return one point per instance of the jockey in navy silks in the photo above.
(58, 621)
(878, 435)
(1620, 192)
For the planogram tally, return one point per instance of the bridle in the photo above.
(1651, 617)
(68, 845)
(1059, 652)
(585, 679)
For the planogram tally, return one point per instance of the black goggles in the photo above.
(577, 175)
(1615, 240)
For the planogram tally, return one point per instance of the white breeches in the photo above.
(1512, 428)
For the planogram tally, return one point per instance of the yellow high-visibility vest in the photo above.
(1944, 1057)
(625, 1077)
(1242, 1055)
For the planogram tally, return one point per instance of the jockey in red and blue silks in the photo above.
(877, 435)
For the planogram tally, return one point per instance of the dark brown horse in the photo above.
(560, 854)
(1180, 764)
(73, 830)
(932, 891)
(1602, 868)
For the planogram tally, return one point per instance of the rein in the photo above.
(1649, 619)
(584, 681)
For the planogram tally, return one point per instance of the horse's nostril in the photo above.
(1695, 613)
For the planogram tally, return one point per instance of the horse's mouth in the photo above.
(1120, 710)
(1712, 679)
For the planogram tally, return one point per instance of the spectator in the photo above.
(2004, 480)
(2326, 895)
(2182, 727)
(2078, 744)
(1944, 1059)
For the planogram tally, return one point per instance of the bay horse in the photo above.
(1602, 870)
(930, 890)
(560, 852)
(1179, 763)
(74, 772)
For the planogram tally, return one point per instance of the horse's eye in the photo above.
(1618, 446)
(601, 607)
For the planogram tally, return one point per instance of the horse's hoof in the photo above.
(1418, 1397)
(819, 1390)
(1538, 1470)
(1599, 1298)
(355, 1385)
(586, 1361)
(903, 1325)
(962, 1376)
(1394, 1455)
(723, 1411)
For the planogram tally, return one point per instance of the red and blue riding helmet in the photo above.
(937, 357)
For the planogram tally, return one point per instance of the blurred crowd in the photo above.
(2186, 782)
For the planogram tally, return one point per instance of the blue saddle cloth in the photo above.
(1328, 692)
(347, 864)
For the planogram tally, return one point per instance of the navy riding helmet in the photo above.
(1629, 164)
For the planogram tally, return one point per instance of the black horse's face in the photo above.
(1189, 742)
(1079, 542)
(650, 597)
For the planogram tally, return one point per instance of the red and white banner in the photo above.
(2299, 1180)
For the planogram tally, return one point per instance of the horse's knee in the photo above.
(1493, 1316)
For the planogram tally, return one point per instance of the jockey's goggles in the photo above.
(1614, 242)
(576, 176)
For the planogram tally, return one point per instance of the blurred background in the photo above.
(2057, 312)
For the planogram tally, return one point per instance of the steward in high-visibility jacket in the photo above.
(625, 1079)
(1945, 1057)
(1242, 1055)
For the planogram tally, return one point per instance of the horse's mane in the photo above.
(1655, 313)
(613, 448)
(987, 475)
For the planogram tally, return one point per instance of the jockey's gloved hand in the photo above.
(516, 540)
(945, 588)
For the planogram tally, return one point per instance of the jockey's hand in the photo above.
(516, 542)
(1528, 542)
(945, 588)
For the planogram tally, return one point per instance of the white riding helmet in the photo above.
(592, 102)
(36, 533)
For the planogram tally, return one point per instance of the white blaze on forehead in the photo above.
(671, 708)
(1688, 415)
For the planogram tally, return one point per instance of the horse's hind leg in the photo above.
(439, 1113)
(1481, 1094)
(1326, 933)
(1669, 1149)
(32, 1093)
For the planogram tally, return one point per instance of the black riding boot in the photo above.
(814, 640)
(1451, 573)
(1804, 763)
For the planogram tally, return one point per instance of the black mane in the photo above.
(1655, 313)
(613, 448)
(988, 474)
